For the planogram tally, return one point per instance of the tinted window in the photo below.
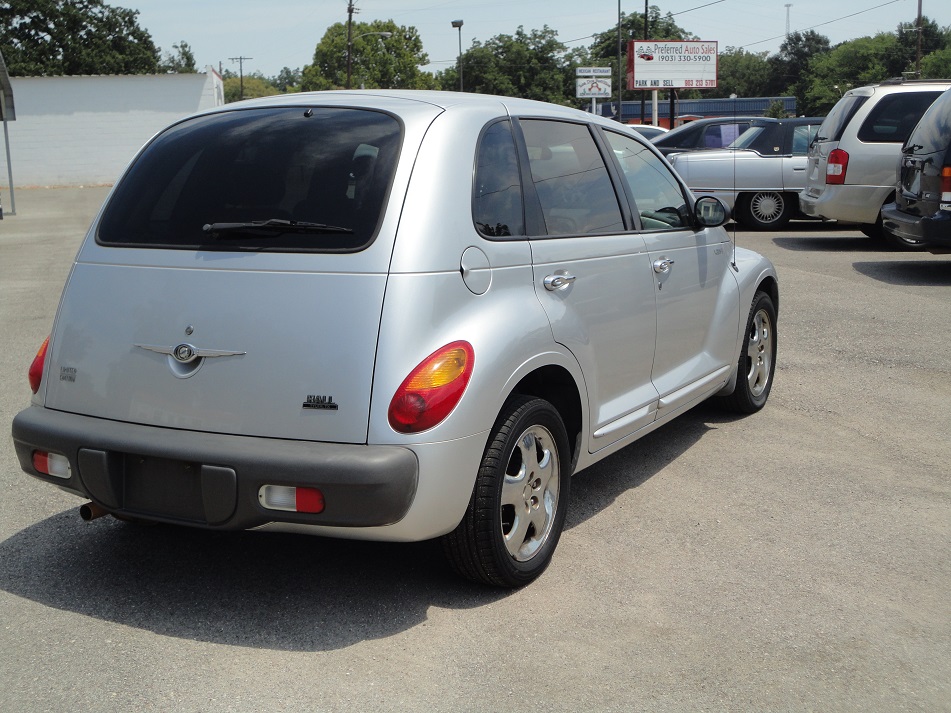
(933, 132)
(571, 180)
(894, 117)
(497, 203)
(837, 119)
(327, 166)
(657, 194)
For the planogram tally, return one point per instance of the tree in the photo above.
(789, 69)
(745, 74)
(528, 65)
(67, 37)
(181, 62)
(255, 85)
(287, 80)
(376, 61)
(936, 65)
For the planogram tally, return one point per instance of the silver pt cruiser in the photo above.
(392, 316)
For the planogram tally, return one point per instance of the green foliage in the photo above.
(254, 85)
(776, 110)
(937, 65)
(529, 65)
(287, 80)
(375, 61)
(745, 74)
(69, 37)
(182, 61)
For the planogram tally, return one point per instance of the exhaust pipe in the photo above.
(90, 511)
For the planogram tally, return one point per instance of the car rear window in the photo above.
(837, 119)
(291, 179)
(933, 132)
(894, 117)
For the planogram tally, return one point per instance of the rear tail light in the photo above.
(432, 389)
(53, 464)
(291, 499)
(36, 368)
(946, 184)
(836, 167)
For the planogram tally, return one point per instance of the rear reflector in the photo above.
(291, 499)
(51, 464)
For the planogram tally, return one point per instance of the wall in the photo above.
(84, 130)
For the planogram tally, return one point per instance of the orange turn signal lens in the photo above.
(432, 389)
(36, 368)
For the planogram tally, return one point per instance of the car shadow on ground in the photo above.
(829, 242)
(281, 591)
(931, 273)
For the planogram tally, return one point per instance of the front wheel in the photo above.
(766, 210)
(757, 359)
(517, 509)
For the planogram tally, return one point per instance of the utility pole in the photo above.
(240, 61)
(918, 54)
(788, 5)
(350, 10)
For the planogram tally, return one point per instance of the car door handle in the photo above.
(559, 281)
(662, 266)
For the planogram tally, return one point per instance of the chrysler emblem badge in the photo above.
(187, 353)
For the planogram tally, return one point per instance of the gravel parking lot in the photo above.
(794, 560)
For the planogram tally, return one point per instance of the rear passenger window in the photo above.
(570, 178)
(497, 203)
(894, 117)
(657, 194)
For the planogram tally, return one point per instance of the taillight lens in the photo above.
(36, 368)
(432, 389)
(946, 184)
(836, 167)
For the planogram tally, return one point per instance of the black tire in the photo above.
(757, 361)
(766, 210)
(525, 471)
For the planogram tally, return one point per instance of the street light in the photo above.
(458, 25)
(350, 40)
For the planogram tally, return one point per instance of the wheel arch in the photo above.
(556, 385)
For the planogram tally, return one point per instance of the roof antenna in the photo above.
(733, 216)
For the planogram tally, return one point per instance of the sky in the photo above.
(274, 34)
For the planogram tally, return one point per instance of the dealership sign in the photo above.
(663, 64)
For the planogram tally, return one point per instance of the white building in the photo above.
(84, 130)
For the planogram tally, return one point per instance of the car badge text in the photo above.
(322, 403)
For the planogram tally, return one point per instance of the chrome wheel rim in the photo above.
(767, 207)
(530, 493)
(759, 353)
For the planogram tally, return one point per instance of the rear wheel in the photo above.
(517, 509)
(757, 359)
(766, 210)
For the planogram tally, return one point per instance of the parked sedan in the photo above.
(760, 175)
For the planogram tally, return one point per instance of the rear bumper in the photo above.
(845, 203)
(931, 228)
(212, 480)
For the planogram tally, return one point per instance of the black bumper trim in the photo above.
(363, 486)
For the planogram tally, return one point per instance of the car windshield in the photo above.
(292, 179)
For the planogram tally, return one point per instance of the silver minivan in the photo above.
(850, 172)
(392, 316)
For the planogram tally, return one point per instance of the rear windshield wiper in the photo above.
(274, 225)
(912, 148)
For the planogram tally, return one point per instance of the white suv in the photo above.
(851, 166)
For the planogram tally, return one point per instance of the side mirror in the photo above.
(710, 212)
